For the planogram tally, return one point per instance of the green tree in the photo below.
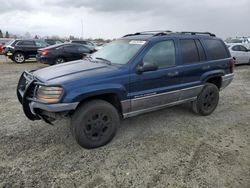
(7, 35)
(1, 34)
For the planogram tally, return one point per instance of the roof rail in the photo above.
(198, 33)
(154, 33)
(166, 32)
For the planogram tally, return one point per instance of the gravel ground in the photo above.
(167, 148)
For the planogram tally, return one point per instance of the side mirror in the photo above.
(147, 67)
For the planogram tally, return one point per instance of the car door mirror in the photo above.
(146, 67)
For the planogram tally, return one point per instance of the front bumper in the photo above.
(226, 80)
(32, 107)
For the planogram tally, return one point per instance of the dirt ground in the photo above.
(167, 148)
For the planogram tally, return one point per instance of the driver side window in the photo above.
(162, 54)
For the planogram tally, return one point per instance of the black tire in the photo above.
(94, 124)
(207, 100)
(19, 57)
(59, 60)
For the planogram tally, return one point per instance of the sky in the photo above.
(114, 18)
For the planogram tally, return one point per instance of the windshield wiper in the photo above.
(104, 60)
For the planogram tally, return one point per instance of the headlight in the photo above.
(49, 94)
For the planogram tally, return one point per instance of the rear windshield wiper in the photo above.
(104, 60)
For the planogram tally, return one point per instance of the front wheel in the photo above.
(94, 123)
(207, 100)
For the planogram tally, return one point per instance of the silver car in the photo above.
(239, 52)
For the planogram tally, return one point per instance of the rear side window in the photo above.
(26, 43)
(216, 49)
(189, 51)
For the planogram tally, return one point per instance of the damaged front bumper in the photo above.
(33, 108)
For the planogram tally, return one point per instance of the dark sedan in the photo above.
(61, 53)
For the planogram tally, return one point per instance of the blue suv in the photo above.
(135, 74)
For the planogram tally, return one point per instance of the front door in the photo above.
(160, 87)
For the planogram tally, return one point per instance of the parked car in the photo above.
(19, 50)
(240, 53)
(53, 41)
(136, 74)
(3, 42)
(61, 53)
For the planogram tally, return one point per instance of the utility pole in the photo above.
(82, 28)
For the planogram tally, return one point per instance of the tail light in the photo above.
(45, 52)
(231, 65)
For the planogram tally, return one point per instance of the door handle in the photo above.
(172, 74)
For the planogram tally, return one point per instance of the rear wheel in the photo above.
(59, 60)
(207, 100)
(19, 57)
(94, 124)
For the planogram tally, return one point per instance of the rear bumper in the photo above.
(33, 108)
(226, 80)
(45, 60)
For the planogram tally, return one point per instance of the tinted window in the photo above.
(243, 48)
(200, 50)
(216, 49)
(41, 44)
(26, 43)
(70, 48)
(162, 54)
(83, 49)
(189, 51)
(236, 48)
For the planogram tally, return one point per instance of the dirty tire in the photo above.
(207, 100)
(19, 57)
(94, 123)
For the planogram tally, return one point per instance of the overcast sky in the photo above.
(114, 18)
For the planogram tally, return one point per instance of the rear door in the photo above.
(193, 65)
(238, 54)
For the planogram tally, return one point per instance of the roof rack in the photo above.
(163, 32)
(154, 33)
(198, 33)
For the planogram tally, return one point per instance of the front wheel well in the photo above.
(111, 98)
(216, 81)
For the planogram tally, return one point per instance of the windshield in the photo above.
(119, 51)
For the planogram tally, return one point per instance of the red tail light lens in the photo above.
(231, 65)
(45, 52)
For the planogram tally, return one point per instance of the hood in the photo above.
(71, 71)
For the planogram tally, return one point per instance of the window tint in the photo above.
(200, 50)
(189, 51)
(162, 54)
(216, 49)
(236, 48)
(26, 43)
(243, 48)
(83, 49)
(70, 48)
(40, 44)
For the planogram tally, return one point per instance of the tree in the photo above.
(7, 34)
(36, 37)
(1, 34)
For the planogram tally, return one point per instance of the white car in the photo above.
(239, 52)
